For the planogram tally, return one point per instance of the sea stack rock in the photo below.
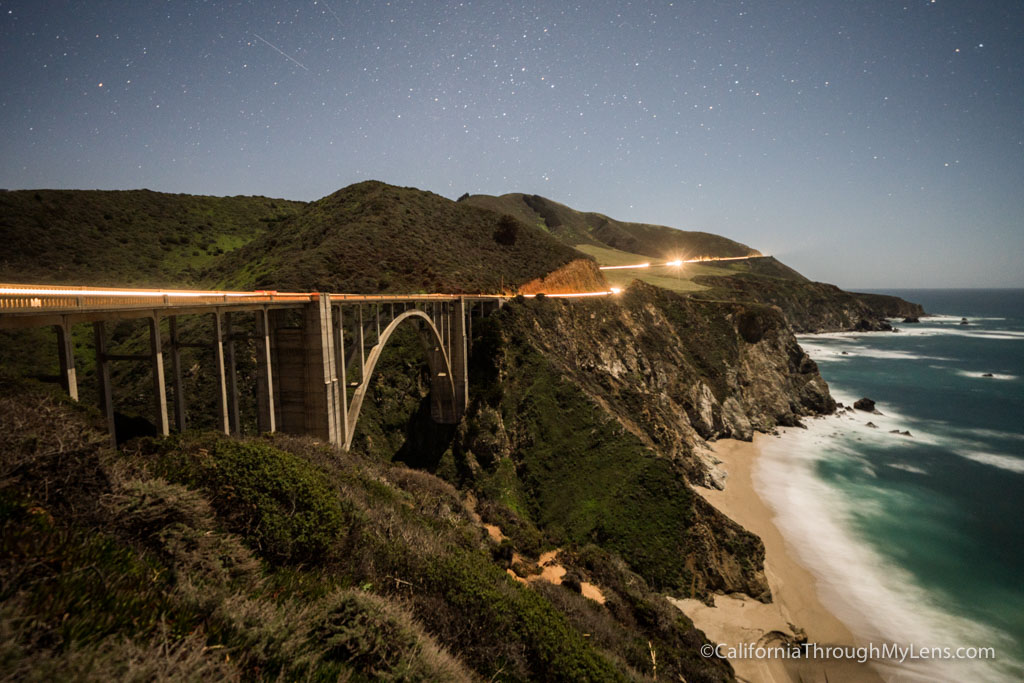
(865, 404)
(911, 319)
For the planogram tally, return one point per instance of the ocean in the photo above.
(917, 539)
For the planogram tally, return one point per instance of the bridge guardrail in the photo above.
(24, 298)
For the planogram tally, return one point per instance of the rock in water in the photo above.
(988, 374)
(963, 321)
(865, 404)
(911, 319)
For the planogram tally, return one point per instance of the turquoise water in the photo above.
(918, 539)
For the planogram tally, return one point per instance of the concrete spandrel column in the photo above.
(159, 382)
(103, 376)
(341, 372)
(176, 378)
(264, 375)
(232, 376)
(320, 377)
(222, 385)
(66, 351)
(459, 357)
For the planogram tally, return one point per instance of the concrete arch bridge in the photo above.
(315, 353)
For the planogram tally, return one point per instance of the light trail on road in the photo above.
(679, 262)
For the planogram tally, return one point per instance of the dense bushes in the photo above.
(282, 506)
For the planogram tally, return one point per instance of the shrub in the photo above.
(507, 231)
(281, 503)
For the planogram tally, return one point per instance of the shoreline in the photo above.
(795, 609)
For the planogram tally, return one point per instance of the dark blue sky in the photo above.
(870, 143)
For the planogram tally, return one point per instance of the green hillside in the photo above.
(373, 237)
(134, 237)
(576, 228)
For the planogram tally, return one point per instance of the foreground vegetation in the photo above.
(199, 556)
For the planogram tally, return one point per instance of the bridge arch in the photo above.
(443, 405)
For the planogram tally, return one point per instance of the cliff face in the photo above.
(813, 307)
(675, 371)
(589, 422)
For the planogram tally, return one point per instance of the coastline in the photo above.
(796, 607)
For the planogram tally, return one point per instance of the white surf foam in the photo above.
(985, 375)
(949, 318)
(907, 468)
(1003, 462)
(823, 353)
(878, 601)
(975, 333)
(994, 434)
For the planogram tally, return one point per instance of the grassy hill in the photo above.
(809, 306)
(134, 237)
(373, 237)
(594, 229)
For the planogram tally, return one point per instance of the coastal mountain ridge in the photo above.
(372, 237)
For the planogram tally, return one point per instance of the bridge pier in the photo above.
(224, 421)
(321, 381)
(306, 376)
(66, 351)
(176, 379)
(266, 418)
(459, 356)
(103, 378)
(232, 376)
(159, 382)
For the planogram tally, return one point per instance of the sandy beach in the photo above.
(740, 620)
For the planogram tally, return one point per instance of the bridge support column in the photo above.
(344, 435)
(66, 349)
(159, 382)
(459, 357)
(103, 376)
(321, 390)
(179, 388)
(224, 421)
(232, 377)
(264, 375)
(306, 376)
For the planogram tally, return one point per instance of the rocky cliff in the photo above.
(812, 307)
(589, 421)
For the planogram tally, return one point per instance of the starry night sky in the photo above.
(870, 143)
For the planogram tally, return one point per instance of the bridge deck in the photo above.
(42, 305)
